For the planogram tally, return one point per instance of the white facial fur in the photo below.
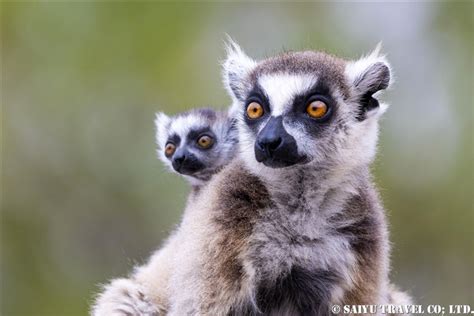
(352, 143)
(282, 88)
(181, 125)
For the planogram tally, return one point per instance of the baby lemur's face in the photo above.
(196, 143)
(306, 108)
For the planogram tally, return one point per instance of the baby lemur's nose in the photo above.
(178, 161)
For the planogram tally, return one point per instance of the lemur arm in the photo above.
(145, 292)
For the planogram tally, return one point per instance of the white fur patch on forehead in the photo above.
(282, 88)
(182, 125)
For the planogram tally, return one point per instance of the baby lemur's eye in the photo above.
(254, 110)
(317, 109)
(169, 149)
(205, 141)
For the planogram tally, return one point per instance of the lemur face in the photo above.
(306, 108)
(195, 143)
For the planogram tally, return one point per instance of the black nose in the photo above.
(274, 147)
(178, 161)
(186, 162)
(269, 144)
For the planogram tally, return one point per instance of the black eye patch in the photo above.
(319, 92)
(175, 139)
(194, 134)
(256, 95)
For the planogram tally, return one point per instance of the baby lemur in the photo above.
(196, 144)
(294, 223)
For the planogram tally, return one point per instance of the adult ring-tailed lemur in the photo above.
(293, 224)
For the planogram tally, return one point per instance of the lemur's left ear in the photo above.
(368, 75)
(162, 122)
(236, 66)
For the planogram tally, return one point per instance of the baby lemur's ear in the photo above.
(369, 75)
(162, 122)
(236, 66)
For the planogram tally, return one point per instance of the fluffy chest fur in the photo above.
(300, 260)
(293, 251)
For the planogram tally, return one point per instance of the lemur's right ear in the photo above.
(162, 122)
(236, 66)
(367, 76)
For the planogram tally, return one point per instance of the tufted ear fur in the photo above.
(162, 122)
(236, 66)
(369, 75)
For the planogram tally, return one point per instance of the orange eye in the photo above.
(254, 110)
(317, 109)
(169, 149)
(205, 141)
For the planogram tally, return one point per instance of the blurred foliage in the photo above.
(83, 196)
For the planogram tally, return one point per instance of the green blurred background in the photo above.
(84, 197)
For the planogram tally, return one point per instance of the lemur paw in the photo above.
(123, 297)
